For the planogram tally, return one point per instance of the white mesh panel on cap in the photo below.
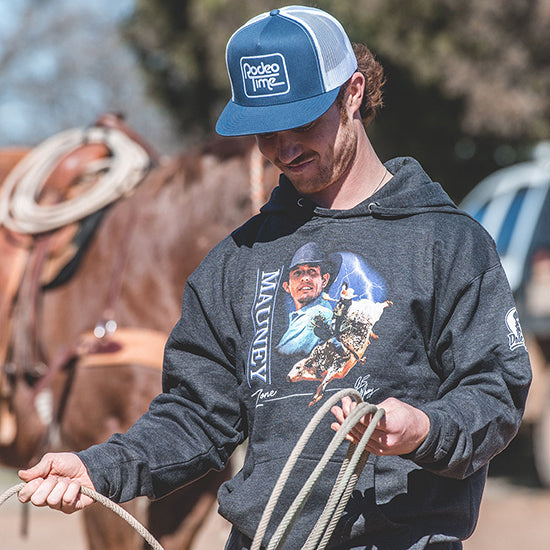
(335, 52)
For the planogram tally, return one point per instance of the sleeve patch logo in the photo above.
(515, 334)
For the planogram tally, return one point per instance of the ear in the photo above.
(355, 92)
(286, 287)
(324, 280)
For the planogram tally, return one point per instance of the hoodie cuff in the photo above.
(437, 444)
(103, 472)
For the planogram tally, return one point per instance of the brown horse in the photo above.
(132, 271)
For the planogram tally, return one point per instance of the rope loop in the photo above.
(116, 176)
(126, 516)
(348, 476)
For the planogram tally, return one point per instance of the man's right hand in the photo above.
(55, 482)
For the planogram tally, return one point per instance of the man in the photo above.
(342, 306)
(442, 368)
(308, 277)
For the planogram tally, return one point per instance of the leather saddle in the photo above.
(34, 262)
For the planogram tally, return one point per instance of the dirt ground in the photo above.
(515, 514)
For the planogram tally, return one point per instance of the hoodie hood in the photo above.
(410, 191)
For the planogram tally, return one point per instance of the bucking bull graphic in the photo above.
(344, 341)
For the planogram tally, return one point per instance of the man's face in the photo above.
(305, 284)
(315, 156)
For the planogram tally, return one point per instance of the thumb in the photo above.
(42, 469)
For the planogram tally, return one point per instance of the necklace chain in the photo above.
(380, 182)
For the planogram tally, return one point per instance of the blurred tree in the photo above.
(63, 63)
(468, 82)
(492, 53)
(181, 45)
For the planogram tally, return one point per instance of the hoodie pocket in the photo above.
(408, 495)
(243, 500)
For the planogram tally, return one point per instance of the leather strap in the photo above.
(137, 346)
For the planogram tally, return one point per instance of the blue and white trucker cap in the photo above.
(286, 67)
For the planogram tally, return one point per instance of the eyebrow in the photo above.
(305, 266)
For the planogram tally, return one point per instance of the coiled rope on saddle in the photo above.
(347, 478)
(126, 516)
(116, 176)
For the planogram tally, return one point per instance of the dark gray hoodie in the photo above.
(414, 305)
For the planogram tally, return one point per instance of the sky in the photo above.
(63, 63)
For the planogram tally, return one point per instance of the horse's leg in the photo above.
(107, 531)
(101, 401)
(104, 400)
(176, 519)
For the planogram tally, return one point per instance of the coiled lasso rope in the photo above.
(117, 175)
(351, 468)
(127, 517)
(349, 473)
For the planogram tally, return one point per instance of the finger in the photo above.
(28, 490)
(353, 435)
(376, 449)
(381, 426)
(55, 497)
(338, 413)
(40, 496)
(347, 405)
(349, 436)
(42, 469)
(71, 497)
(377, 437)
(380, 444)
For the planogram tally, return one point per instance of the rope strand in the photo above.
(126, 516)
(347, 478)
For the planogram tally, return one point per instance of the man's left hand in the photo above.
(400, 431)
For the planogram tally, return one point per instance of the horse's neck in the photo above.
(9, 158)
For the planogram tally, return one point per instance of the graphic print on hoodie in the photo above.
(333, 300)
(366, 321)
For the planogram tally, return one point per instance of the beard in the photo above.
(332, 166)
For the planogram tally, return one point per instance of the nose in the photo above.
(288, 146)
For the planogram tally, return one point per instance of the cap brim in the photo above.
(237, 120)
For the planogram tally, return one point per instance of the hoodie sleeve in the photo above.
(479, 353)
(194, 425)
